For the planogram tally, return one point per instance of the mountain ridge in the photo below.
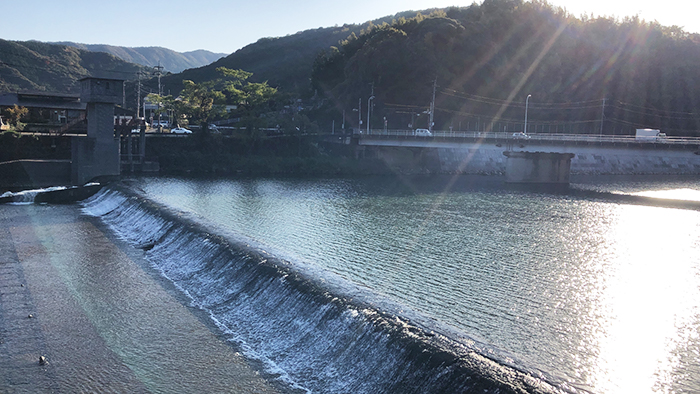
(150, 56)
(38, 66)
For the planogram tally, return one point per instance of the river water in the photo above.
(582, 292)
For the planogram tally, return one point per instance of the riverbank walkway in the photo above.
(101, 319)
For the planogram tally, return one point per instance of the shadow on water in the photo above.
(445, 184)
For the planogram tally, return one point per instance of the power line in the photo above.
(495, 101)
(627, 123)
(647, 110)
(656, 109)
(517, 120)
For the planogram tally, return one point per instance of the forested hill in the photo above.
(484, 60)
(284, 62)
(151, 56)
(36, 66)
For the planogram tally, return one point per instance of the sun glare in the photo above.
(651, 293)
(674, 194)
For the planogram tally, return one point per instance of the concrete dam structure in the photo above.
(483, 153)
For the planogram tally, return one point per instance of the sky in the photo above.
(224, 26)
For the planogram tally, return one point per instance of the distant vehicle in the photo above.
(521, 136)
(649, 135)
(181, 130)
(135, 131)
(213, 128)
(423, 133)
(162, 123)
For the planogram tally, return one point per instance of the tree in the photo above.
(203, 102)
(15, 114)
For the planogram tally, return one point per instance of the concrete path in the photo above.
(104, 322)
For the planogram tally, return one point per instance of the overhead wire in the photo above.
(494, 101)
(649, 112)
(658, 110)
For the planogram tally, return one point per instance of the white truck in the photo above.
(649, 135)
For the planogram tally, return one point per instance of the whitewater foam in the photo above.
(309, 328)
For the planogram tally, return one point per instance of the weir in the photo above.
(312, 333)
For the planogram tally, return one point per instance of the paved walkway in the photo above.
(104, 322)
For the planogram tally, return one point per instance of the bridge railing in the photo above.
(584, 138)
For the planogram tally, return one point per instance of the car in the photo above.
(135, 131)
(521, 136)
(180, 130)
(423, 133)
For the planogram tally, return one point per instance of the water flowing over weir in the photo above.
(314, 335)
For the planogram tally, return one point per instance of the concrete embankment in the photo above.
(101, 318)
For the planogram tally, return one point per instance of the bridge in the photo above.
(576, 139)
(483, 152)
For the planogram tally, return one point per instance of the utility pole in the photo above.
(527, 100)
(602, 117)
(359, 114)
(369, 107)
(158, 72)
(138, 94)
(432, 107)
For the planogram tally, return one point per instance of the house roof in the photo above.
(43, 100)
(104, 79)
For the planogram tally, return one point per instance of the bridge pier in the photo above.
(538, 167)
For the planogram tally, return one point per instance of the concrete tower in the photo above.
(98, 154)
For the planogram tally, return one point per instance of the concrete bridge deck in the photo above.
(482, 153)
(531, 138)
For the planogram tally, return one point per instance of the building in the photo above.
(47, 111)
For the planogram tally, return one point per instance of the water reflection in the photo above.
(650, 291)
(673, 194)
(599, 294)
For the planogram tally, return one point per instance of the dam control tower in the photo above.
(97, 156)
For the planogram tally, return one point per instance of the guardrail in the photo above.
(587, 138)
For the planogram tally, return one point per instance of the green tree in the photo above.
(15, 115)
(200, 103)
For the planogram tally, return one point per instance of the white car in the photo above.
(423, 133)
(521, 136)
(180, 130)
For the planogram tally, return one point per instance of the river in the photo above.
(575, 291)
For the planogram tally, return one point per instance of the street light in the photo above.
(526, 103)
(369, 100)
(359, 115)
